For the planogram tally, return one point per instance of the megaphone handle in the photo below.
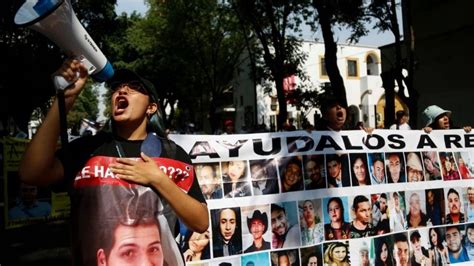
(60, 83)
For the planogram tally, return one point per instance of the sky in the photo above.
(374, 38)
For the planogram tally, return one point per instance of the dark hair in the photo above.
(402, 167)
(452, 190)
(383, 196)
(359, 156)
(400, 238)
(379, 242)
(206, 252)
(339, 202)
(333, 157)
(439, 238)
(358, 199)
(376, 157)
(415, 236)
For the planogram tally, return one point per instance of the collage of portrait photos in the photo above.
(432, 226)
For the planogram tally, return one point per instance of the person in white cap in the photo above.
(436, 117)
(414, 168)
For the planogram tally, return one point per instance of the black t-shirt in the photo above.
(102, 204)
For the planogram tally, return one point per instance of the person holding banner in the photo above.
(135, 120)
(436, 117)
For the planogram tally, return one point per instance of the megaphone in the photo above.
(56, 20)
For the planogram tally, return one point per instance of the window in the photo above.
(352, 68)
(322, 67)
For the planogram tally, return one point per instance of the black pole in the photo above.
(63, 126)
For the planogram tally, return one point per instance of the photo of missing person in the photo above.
(285, 227)
(337, 169)
(415, 171)
(359, 251)
(256, 235)
(380, 213)
(209, 178)
(376, 163)
(416, 216)
(264, 177)
(383, 251)
(457, 252)
(432, 165)
(235, 178)
(337, 253)
(469, 241)
(226, 232)
(336, 215)
(470, 204)
(137, 214)
(465, 161)
(401, 249)
(397, 209)
(419, 248)
(314, 172)
(395, 167)
(438, 249)
(311, 223)
(361, 225)
(435, 208)
(228, 261)
(311, 256)
(359, 169)
(196, 246)
(455, 205)
(449, 169)
(255, 259)
(291, 173)
(285, 258)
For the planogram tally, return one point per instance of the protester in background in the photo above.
(438, 252)
(436, 117)
(27, 204)
(229, 127)
(402, 121)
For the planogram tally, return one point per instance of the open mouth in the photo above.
(121, 103)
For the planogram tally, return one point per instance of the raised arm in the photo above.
(39, 166)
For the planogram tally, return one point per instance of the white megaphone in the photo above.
(56, 20)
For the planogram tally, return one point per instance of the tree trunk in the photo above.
(330, 54)
(389, 86)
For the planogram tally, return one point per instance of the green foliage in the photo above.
(86, 106)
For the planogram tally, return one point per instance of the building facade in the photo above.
(360, 68)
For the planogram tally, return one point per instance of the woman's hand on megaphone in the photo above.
(75, 73)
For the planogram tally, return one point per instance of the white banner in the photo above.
(347, 198)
